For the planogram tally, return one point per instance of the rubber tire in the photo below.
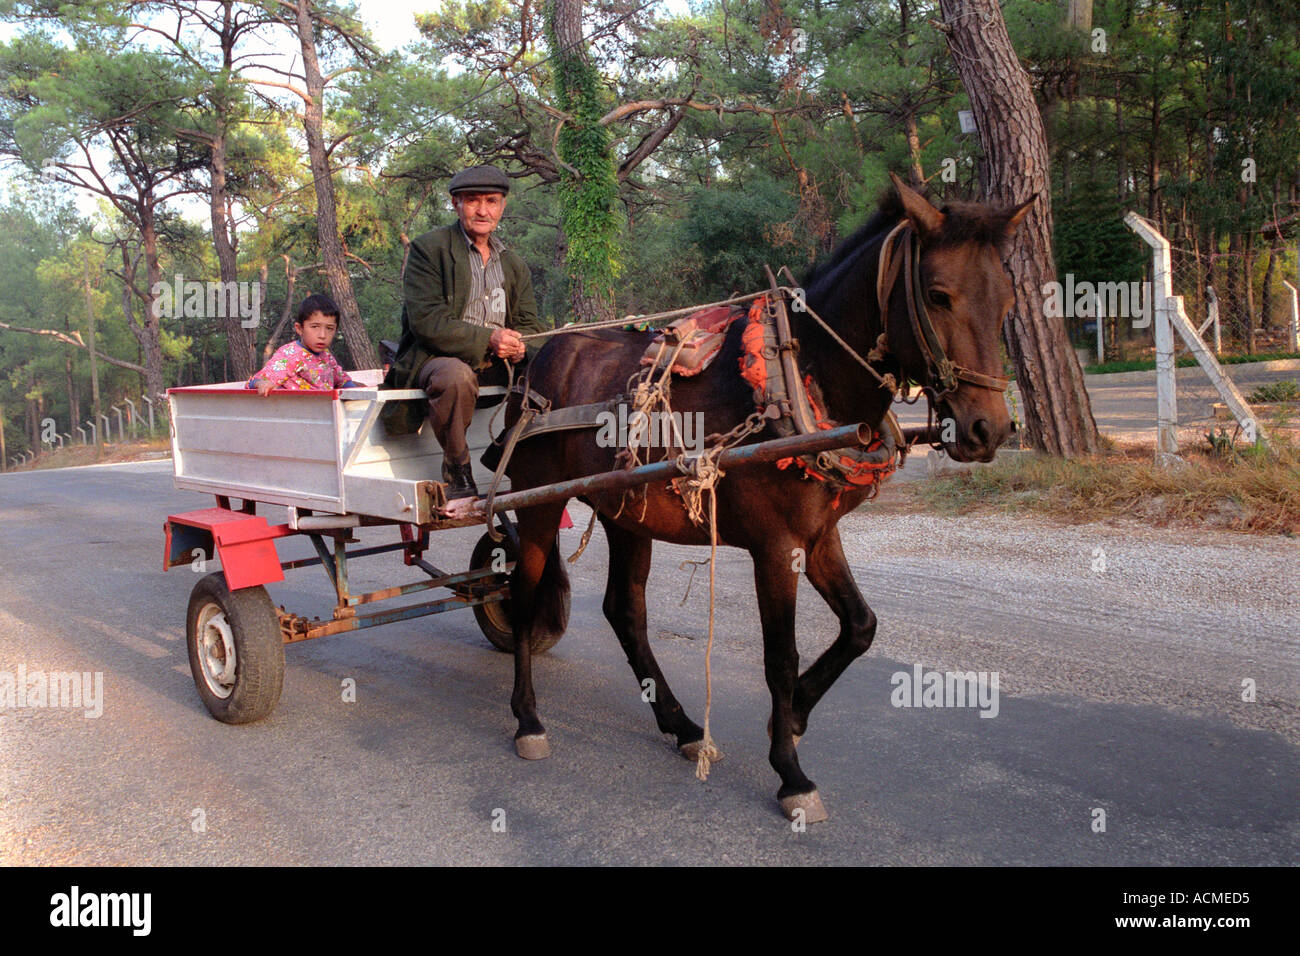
(259, 650)
(494, 618)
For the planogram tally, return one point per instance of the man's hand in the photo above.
(507, 344)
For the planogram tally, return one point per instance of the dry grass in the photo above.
(72, 455)
(1256, 492)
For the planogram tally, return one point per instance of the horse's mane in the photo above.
(963, 222)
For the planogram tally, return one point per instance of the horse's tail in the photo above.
(551, 600)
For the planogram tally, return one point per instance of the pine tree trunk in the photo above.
(1058, 415)
(240, 341)
(331, 244)
(150, 338)
(588, 183)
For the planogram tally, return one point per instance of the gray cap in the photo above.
(479, 179)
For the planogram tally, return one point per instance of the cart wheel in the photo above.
(494, 618)
(236, 651)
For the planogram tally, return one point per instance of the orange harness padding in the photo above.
(753, 366)
(844, 468)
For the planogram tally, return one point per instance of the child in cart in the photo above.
(306, 363)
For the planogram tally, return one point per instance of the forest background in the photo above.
(288, 148)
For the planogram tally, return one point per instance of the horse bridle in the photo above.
(942, 372)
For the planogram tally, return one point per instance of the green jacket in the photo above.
(434, 289)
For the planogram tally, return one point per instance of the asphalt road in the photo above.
(1120, 691)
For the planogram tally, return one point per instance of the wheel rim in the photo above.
(216, 647)
(498, 613)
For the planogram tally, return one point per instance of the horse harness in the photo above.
(785, 401)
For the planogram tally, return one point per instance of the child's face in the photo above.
(316, 331)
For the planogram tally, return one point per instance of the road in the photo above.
(1120, 691)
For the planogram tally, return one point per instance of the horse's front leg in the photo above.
(777, 586)
(829, 572)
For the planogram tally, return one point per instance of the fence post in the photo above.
(83, 433)
(1294, 344)
(94, 433)
(1212, 306)
(1161, 290)
(108, 429)
(1101, 335)
(130, 417)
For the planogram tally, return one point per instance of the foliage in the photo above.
(1286, 390)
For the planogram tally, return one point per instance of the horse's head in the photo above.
(962, 292)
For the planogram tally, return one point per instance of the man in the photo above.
(467, 300)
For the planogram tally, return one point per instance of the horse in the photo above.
(768, 511)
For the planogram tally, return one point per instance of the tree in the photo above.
(1058, 414)
(304, 17)
(102, 120)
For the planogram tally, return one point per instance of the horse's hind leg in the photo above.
(777, 588)
(829, 572)
(537, 534)
(625, 609)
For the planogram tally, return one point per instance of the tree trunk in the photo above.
(90, 331)
(589, 182)
(240, 341)
(331, 243)
(1247, 280)
(1266, 293)
(1058, 415)
(1121, 171)
(74, 400)
(151, 341)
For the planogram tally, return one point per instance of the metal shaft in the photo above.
(842, 437)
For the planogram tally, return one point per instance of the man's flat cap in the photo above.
(479, 179)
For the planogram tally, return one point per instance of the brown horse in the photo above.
(769, 512)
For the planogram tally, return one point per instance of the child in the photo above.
(306, 363)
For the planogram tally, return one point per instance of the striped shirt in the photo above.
(486, 304)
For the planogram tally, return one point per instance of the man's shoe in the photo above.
(459, 480)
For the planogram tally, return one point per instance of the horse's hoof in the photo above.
(797, 737)
(811, 805)
(533, 747)
(691, 751)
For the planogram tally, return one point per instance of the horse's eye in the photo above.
(940, 300)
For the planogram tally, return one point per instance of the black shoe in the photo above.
(459, 480)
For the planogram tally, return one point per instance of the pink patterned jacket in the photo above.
(295, 366)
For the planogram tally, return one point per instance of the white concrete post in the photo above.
(1212, 306)
(1294, 345)
(1166, 397)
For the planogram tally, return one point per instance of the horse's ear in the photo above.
(925, 219)
(1015, 215)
